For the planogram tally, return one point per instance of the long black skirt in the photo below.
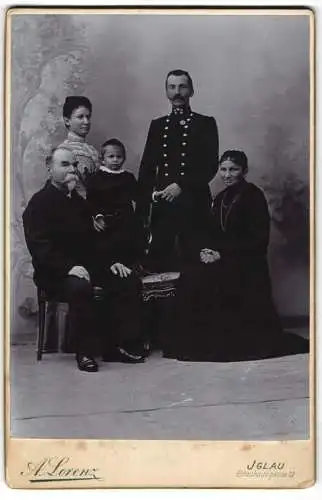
(225, 312)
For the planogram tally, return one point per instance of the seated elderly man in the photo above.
(59, 233)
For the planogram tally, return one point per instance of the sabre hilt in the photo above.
(149, 220)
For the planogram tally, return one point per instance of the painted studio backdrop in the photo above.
(250, 72)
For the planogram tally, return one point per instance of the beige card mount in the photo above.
(166, 422)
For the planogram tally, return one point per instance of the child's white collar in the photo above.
(105, 169)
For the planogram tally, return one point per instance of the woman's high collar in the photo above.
(71, 136)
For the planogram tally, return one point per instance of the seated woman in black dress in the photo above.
(225, 309)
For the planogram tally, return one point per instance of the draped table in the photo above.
(158, 296)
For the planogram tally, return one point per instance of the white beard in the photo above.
(71, 185)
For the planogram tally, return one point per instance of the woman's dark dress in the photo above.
(225, 309)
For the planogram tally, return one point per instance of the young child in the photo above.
(111, 192)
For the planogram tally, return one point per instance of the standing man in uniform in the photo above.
(179, 160)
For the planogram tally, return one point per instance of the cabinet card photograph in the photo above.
(159, 247)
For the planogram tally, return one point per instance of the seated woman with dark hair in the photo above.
(225, 309)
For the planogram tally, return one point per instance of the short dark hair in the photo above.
(113, 142)
(73, 102)
(238, 157)
(180, 72)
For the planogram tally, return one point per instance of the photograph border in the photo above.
(203, 464)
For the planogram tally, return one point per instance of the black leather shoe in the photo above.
(121, 355)
(86, 363)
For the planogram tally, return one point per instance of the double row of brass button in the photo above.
(185, 123)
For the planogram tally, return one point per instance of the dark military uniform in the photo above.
(181, 148)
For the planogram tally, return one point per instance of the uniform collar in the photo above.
(180, 111)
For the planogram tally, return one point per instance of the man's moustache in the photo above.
(71, 177)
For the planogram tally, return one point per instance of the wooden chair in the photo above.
(43, 302)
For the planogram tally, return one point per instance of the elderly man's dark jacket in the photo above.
(183, 150)
(59, 234)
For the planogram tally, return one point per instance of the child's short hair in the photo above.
(113, 142)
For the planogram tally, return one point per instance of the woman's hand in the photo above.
(208, 256)
(120, 270)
